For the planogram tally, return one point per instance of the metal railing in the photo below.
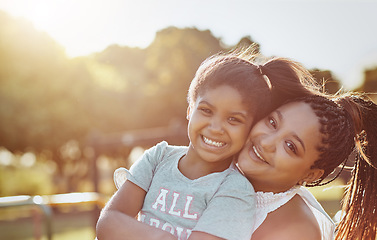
(46, 202)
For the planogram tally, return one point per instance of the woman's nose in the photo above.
(268, 142)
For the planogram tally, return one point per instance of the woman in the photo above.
(301, 143)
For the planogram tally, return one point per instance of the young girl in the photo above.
(301, 143)
(196, 191)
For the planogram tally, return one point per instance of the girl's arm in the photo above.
(117, 219)
(118, 226)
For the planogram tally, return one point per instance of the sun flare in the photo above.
(72, 23)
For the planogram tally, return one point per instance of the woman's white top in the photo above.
(268, 202)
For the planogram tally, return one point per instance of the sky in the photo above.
(335, 35)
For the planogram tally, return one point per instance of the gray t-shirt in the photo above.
(221, 204)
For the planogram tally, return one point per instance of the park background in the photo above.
(85, 86)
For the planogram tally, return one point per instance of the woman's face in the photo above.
(282, 148)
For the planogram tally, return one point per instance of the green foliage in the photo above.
(20, 180)
(171, 62)
(370, 80)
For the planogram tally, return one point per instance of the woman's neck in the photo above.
(268, 187)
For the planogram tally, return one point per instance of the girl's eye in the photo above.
(205, 110)
(234, 120)
(292, 147)
(272, 122)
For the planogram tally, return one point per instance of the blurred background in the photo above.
(87, 85)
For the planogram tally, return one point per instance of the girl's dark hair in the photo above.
(262, 86)
(349, 125)
(234, 71)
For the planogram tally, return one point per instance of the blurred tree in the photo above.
(29, 63)
(129, 65)
(325, 78)
(369, 84)
(47, 99)
(157, 78)
(171, 62)
(370, 81)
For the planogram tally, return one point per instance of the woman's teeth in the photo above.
(257, 154)
(213, 143)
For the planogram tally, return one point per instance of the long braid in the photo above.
(349, 124)
(360, 202)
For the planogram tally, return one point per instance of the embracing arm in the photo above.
(122, 227)
(117, 219)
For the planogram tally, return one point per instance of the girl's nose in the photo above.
(216, 125)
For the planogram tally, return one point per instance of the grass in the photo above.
(86, 233)
(20, 232)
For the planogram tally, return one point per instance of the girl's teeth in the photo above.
(213, 143)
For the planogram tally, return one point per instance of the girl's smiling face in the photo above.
(282, 148)
(219, 122)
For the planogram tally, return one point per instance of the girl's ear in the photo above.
(314, 174)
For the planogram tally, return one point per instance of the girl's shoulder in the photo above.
(162, 151)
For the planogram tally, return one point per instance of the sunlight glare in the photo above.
(74, 24)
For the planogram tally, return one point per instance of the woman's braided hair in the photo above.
(349, 125)
(337, 131)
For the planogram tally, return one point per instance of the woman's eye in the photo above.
(292, 147)
(272, 122)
